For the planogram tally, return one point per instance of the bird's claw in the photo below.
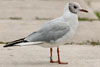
(53, 61)
(58, 62)
(62, 62)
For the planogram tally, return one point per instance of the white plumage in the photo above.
(68, 21)
(55, 32)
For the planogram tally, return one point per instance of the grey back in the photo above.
(49, 32)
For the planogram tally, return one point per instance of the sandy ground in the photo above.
(95, 8)
(30, 9)
(36, 56)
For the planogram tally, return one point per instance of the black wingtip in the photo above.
(4, 46)
(10, 44)
(7, 46)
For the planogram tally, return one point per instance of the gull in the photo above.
(55, 32)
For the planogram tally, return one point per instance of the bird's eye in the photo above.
(75, 7)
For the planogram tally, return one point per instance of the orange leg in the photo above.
(51, 60)
(59, 57)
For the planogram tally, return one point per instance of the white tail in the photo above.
(28, 43)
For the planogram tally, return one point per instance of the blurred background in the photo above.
(19, 18)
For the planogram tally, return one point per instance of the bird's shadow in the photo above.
(39, 63)
(35, 63)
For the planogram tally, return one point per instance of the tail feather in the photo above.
(28, 43)
(9, 44)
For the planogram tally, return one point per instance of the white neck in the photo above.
(70, 17)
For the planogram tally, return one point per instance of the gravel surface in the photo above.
(36, 56)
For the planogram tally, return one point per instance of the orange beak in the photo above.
(83, 10)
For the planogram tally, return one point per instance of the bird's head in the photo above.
(74, 7)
